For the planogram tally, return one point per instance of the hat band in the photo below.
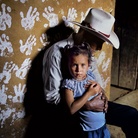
(88, 25)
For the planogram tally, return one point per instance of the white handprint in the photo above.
(29, 21)
(22, 71)
(31, 41)
(19, 93)
(93, 1)
(7, 69)
(82, 16)
(50, 16)
(5, 45)
(72, 15)
(3, 96)
(17, 115)
(105, 82)
(22, 1)
(100, 58)
(5, 114)
(43, 39)
(5, 18)
(105, 65)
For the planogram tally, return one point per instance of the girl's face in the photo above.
(78, 66)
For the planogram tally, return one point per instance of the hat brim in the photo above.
(112, 39)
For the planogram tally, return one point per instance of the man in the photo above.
(95, 30)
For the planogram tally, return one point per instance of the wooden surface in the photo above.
(125, 59)
(128, 59)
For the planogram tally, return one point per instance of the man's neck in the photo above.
(77, 38)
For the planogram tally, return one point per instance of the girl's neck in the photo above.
(81, 79)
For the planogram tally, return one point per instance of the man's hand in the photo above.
(105, 99)
(98, 103)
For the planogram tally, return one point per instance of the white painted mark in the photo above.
(28, 46)
(19, 93)
(22, 71)
(5, 114)
(43, 39)
(3, 96)
(101, 58)
(5, 18)
(22, 1)
(5, 46)
(105, 65)
(72, 15)
(6, 73)
(29, 21)
(50, 16)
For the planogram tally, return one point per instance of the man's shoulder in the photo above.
(55, 47)
(61, 44)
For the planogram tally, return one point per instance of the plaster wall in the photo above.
(23, 24)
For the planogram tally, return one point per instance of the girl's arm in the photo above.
(75, 104)
(99, 103)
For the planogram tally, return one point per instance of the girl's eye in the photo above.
(74, 65)
(83, 65)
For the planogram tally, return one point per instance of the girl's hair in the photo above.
(74, 50)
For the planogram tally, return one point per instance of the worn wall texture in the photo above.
(23, 24)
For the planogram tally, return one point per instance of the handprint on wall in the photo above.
(72, 15)
(5, 18)
(43, 40)
(50, 16)
(3, 96)
(28, 46)
(22, 71)
(5, 114)
(29, 21)
(5, 46)
(19, 93)
(7, 70)
(105, 65)
(22, 1)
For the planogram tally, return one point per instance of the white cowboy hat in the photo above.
(100, 23)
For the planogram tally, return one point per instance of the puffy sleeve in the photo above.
(69, 84)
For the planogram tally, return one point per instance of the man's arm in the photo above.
(52, 75)
(98, 103)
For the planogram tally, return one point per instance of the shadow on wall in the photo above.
(41, 122)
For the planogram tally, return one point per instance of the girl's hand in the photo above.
(93, 87)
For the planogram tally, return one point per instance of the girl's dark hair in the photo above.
(74, 50)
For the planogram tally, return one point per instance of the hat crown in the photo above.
(100, 21)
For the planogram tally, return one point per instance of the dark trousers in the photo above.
(123, 116)
(119, 115)
(52, 122)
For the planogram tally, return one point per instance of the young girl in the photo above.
(79, 87)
